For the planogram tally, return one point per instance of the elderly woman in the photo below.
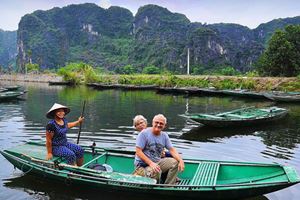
(139, 123)
(56, 139)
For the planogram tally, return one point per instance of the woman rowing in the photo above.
(56, 139)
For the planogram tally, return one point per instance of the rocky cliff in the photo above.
(155, 36)
(8, 48)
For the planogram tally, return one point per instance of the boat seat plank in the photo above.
(95, 159)
(184, 182)
(240, 116)
(209, 116)
(206, 174)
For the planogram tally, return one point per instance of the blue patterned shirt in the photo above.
(60, 132)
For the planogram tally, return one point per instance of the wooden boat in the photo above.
(3, 90)
(283, 96)
(210, 91)
(10, 95)
(240, 117)
(201, 179)
(60, 83)
(13, 87)
(171, 90)
(244, 93)
(179, 90)
(100, 86)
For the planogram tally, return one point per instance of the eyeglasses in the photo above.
(160, 123)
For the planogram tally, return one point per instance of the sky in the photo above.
(249, 13)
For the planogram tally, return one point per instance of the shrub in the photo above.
(78, 72)
(32, 67)
(151, 70)
(128, 69)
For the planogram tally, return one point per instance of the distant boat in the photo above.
(3, 90)
(60, 83)
(201, 179)
(244, 93)
(12, 87)
(240, 117)
(283, 96)
(100, 86)
(10, 95)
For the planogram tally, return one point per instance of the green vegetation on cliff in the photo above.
(113, 38)
(8, 50)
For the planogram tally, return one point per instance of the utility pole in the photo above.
(188, 61)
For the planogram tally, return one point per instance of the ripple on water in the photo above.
(110, 126)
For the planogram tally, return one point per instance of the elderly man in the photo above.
(150, 144)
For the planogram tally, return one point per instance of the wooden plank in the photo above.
(241, 116)
(211, 116)
(86, 164)
(237, 110)
(206, 174)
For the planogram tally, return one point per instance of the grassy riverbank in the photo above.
(77, 73)
(219, 82)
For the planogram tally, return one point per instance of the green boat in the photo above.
(201, 179)
(283, 96)
(244, 93)
(13, 87)
(10, 95)
(3, 90)
(240, 117)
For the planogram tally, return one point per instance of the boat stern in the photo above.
(292, 174)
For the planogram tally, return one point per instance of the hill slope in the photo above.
(155, 36)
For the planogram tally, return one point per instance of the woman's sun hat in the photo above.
(56, 106)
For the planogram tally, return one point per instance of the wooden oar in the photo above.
(83, 107)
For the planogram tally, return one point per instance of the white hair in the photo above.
(138, 118)
(160, 116)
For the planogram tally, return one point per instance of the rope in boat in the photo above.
(27, 171)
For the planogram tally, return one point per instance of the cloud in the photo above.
(105, 3)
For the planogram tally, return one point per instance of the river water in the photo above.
(108, 122)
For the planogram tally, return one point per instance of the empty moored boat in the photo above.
(283, 96)
(240, 117)
(12, 87)
(244, 93)
(201, 179)
(3, 89)
(10, 95)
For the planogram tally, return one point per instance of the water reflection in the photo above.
(108, 122)
(38, 188)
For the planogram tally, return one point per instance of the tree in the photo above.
(32, 67)
(151, 69)
(228, 71)
(281, 57)
(128, 69)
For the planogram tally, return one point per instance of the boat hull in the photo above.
(230, 123)
(239, 117)
(155, 193)
(219, 191)
(283, 98)
(10, 95)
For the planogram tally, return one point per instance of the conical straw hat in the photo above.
(50, 113)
